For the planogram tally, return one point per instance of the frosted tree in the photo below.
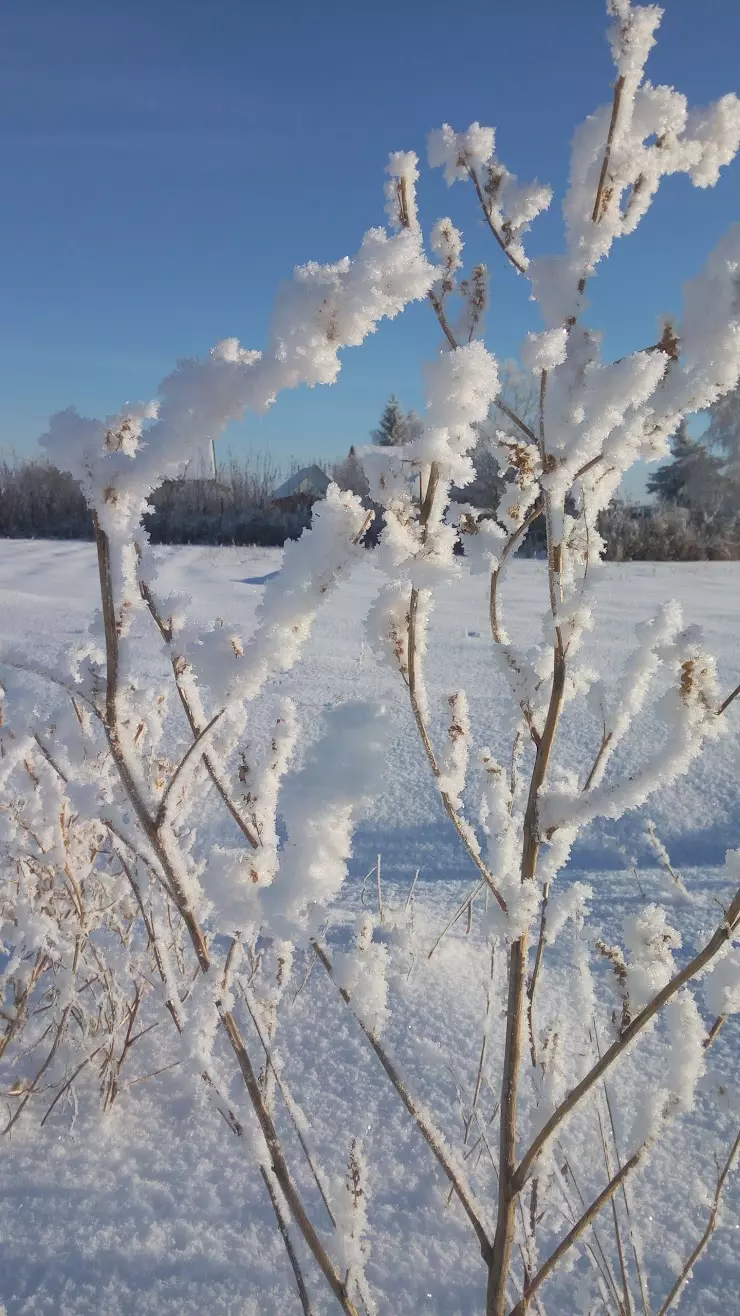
(111, 884)
(393, 428)
(693, 479)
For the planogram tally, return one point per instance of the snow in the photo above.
(155, 1206)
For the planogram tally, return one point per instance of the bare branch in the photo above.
(287, 1240)
(500, 239)
(717, 941)
(711, 1223)
(582, 1224)
(433, 1139)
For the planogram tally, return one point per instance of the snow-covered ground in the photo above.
(155, 1207)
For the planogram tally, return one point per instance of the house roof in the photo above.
(310, 480)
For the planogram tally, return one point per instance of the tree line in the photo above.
(693, 515)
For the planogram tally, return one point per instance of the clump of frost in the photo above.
(650, 941)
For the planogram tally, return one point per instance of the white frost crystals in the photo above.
(176, 832)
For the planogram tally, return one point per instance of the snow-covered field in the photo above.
(155, 1208)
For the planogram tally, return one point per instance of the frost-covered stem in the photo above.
(712, 1221)
(148, 823)
(520, 269)
(599, 204)
(726, 703)
(484, 1040)
(717, 941)
(715, 1030)
(466, 905)
(282, 1225)
(617, 1153)
(497, 574)
(498, 1273)
(50, 759)
(574, 1234)
(449, 807)
(195, 750)
(510, 1183)
(165, 631)
(615, 1219)
(606, 741)
(109, 625)
(171, 1005)
(34, 1084)
(532, 987)
(516, 420)
(21, 998)
(280, 1168)
(444, 322)
(597, 1251)
(69, 1081)
(432, 1137)
(290, 1106)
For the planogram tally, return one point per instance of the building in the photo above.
(302, 489)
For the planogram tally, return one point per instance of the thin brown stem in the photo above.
(467, 902)
(579, 1227)
(515, 419)
(711, 1223)
(497, 574)
(520, 269)
(176, 662)
(726, 703)
(282, 1225)
(192, 752)
(433, 1139)
(532, 986)
(280, 1168)
(603, 749)
(717, 941)
(627, 1300)
(599, 203)
(147, 821)
(509, 1183)
(440, 314)
(618, 1154)
(290, 1106)
(449, 807)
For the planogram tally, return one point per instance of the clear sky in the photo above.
(167, 162)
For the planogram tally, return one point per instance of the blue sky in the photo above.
(167, 162)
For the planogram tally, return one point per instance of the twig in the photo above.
(165, 630)
(291, 1107)
(600, 1261)
(444, 323)
(532, 987)
(280, 1168)
(617, 1153)
(458, 914)
(431, 1136)
(574, 1234)
(600, 204)
(520, 269)
(711, 1223)
(726, 703)
(515, 419)
(195, 749)
(716, 942)
(287, 1240)
(449, 807)
(615, 1219)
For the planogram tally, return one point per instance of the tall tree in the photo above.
(693, 479)
(393, 429)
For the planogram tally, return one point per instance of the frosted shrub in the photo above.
(119, 904)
